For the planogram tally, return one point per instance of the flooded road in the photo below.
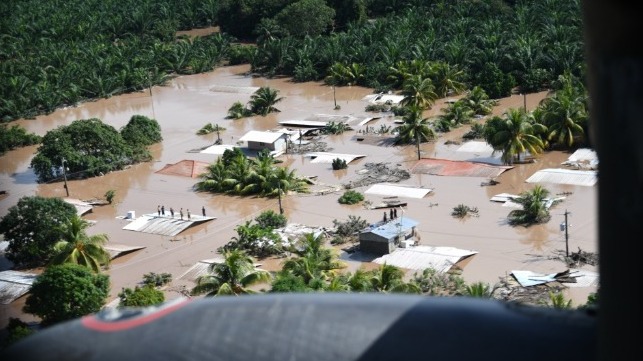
(188, 103)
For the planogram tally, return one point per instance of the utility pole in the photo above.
(65, 177)
(565, 227)
(524, 100)
(281, 210)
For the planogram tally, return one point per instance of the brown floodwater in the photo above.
(187, 103)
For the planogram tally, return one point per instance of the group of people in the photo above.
(392, 215)
(161, 212)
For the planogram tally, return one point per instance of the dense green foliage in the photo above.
(339, 163)
(66, 292)
(17, 330)
(16, 136)
(235, 173)
(57, 53)
(61, 54)
(90, 147)
(306, 18)
(156, 279)
(140, 297)
(32, 228)
(533, 209)
(76, 246)
(270, 219)
(231, 277)
(351, 197)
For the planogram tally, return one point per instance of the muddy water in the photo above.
(187, 103)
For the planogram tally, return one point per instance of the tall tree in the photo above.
(76, 246)
(231, 277)
(513, 135)
(415, 129)
(32, 229)
(65, 292)
(263, 100)
(418, 92)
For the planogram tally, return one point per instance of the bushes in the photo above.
(339, 164)
(351, 197)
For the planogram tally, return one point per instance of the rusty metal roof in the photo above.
(457, 168)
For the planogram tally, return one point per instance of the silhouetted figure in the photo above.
(163, 210)
(391, 214)
(181, 213)
(395, 213)
(203, 211)
(384, 216)
(172, 212)
(158, 209)
(188, 214)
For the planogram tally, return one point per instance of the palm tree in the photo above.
(447, 79)
(533, 209)
(232, 277)
(76, 246)
(388, 278)
(418, 92)
(263, 100)
(514, 134)
(479, 289)
(415, 128)
(315, 262)
(478, 100)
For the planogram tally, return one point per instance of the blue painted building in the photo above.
(383, 237)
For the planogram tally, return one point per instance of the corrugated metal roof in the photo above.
(185, 168)
(261, 137)
(81, 206)
(583, 158)
(388, 189)
(166, 226)
(383, 98)
(116, 250)
(583, 278)
(422, 257)
(234, 89)
(476, 147)
(564, 176)
(14, 284)
(201, 268)
(218, 149)
(393, 228)
(324, 157)
(445, 167)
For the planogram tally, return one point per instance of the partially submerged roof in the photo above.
(201, 268)
(571, 278)
(81, 206)
(390, 189)
(117, 250)
(446, 167)
(234, 89)
(14, 284)
(321, 120)
(164, 225)
(325, 157)
(565, 176)
(422, 257)
(261, 137)
(583, 158)
(508, 200)
(185, 168)
(383, 98)
(218, 149)
(393, 228)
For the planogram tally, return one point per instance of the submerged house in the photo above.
(384, 237)
(275, 142)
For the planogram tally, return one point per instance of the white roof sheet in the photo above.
(262, 137)
(475, 147)
(218, 149)
(167, 226)
(583, 158)
(304, 123)
(81, 206)
(389, 189)
(116, 250)
(565, 176)
(14, 284)
(383, 98)
(583, 278)
(234, 89)
(201, 268)
(422, 257)
(324, 157)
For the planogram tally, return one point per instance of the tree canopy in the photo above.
(65, 292)
(89, 147)
(32, 228)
